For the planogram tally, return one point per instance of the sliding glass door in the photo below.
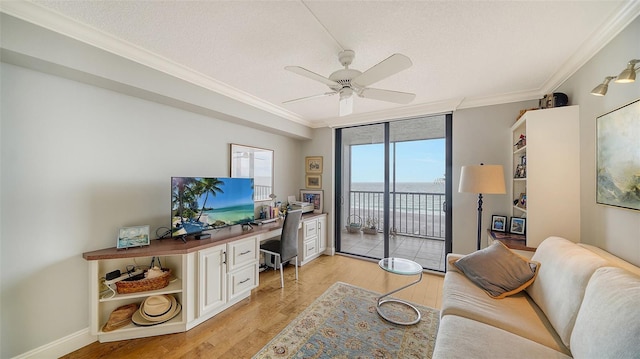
(392, 190)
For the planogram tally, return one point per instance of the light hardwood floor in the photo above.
(245, 328)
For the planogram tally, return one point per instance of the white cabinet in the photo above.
(212, 288)
(105, 301)
(550, 181)
(322, 233)
(312, 238)
(226, 273)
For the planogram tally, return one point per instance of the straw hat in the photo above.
(156, 309)
(120, 317)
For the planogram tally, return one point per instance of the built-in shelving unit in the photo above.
(546, 189)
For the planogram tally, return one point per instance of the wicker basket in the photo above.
(145, 284)
(355, 223)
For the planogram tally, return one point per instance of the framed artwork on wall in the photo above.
(313, 164)
(315, 197)
(313, 181)
(617, 159)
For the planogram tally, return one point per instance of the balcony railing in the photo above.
(412, 213)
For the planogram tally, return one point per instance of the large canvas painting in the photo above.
(618, 157)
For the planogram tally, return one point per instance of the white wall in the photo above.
(77, 163)
(481, 135)
(614, 229)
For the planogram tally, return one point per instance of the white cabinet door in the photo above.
(211, 279)
(322, 234)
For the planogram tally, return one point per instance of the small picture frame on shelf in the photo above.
(137, 236)
(517, 225)
(521, 171)
(498, 223)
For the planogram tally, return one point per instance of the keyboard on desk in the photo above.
(264, 221)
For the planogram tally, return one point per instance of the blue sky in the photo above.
(416, 161)
(237, 191)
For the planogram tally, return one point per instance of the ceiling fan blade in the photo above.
(312, 75)
(390, 66)
(310, 97)
(387, 95)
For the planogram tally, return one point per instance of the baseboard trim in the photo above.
(60, 347)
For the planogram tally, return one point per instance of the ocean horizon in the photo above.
(410, 187)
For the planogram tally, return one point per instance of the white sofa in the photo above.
(584, 303)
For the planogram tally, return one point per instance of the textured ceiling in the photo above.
(463, 52)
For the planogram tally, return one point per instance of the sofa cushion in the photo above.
(564, 272)
(465, 338)
(497, 270)
(517, 313)
(608, 323)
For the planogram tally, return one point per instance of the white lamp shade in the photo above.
(486, 179)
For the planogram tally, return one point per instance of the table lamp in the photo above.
(487, 179)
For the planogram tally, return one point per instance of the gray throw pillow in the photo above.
(498, 271)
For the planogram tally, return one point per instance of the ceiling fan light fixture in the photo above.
(601, 89)
(628, 75)
(346, 101)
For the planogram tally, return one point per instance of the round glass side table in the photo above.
(399, 266)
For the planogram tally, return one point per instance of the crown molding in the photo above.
(54, 21)
(627, 12)
(501, 99)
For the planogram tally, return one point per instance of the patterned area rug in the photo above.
(343, 323)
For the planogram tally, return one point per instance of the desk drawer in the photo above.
(242, 280)
(310, 248)
(242, 252)
(310, 228)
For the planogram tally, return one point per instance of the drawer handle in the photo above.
(244, 281)
(243, 253)
(312, 248)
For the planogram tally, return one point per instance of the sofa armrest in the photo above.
(451, 258)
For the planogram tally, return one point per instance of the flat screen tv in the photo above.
(203, 203)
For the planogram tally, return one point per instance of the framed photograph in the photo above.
(498, 223)
(617, 160)
(313, 181)
(313, 164)
(133, 237)
(256, 163)
(315, 197)
(517, 225)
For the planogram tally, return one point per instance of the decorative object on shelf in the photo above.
(137, 236)
(313, 164)
(628, 75)
(313, 181)
(256, 163)
(498, 223)
(314, 197)
(617, 160)
(481, 179)
(517, 225)
(521, 171)
(370, 226)
(556, 99)
(354, 223)
(156, 309)
(521, 202)
(120, 317)
(522, 141)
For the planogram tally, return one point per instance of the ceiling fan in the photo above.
(348, 81)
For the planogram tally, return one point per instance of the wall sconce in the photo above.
(627, 75)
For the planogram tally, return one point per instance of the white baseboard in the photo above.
(60, 347)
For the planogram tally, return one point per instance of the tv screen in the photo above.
(200, 203)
